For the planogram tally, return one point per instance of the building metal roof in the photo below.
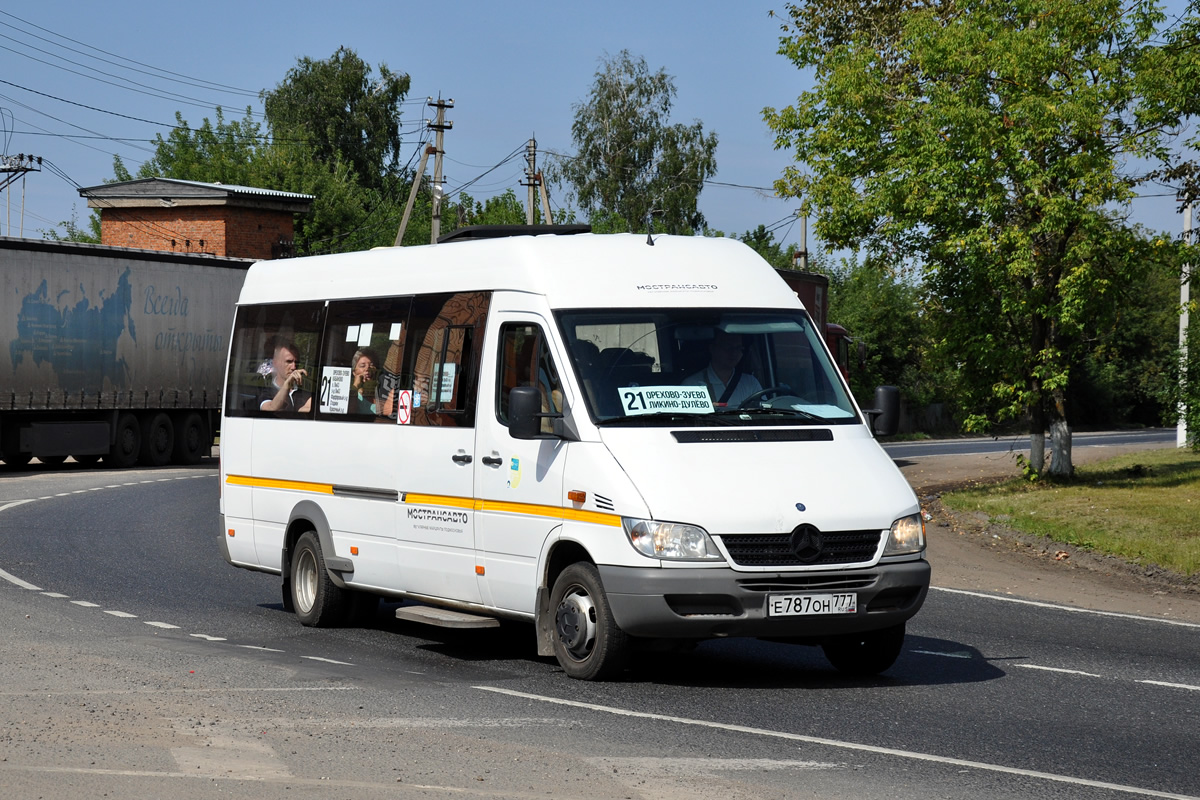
(155, 190)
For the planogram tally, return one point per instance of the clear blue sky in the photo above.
(513, 69)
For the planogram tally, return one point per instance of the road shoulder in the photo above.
(970, 552)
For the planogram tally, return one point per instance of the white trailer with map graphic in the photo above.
(111, 353)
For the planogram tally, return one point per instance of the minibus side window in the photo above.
(361, 365)
(443, 354)
(525, 360)
(272, 362)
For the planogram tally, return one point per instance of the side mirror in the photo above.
(884, 418)
(524, 412)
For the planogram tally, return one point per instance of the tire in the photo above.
(158, 440)
(865, 654)
(53, 461)
(127, 443)
(89, 460)
(191, 439)
(17, 460)
(587, 641)
(318, 601)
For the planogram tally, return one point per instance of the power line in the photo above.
(165, 72)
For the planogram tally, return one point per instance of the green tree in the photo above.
(342, 111)
(631, 166)
(883, 314)
(72, 231)
(983, 142)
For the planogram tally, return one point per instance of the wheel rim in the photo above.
(305, 580)
(575, 621)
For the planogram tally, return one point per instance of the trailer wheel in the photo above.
(191, 439)
(319, 602)
(865, 654)
(158, 439)
(126, 444)
(587, 642)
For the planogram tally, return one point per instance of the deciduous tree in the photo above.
(995, 145)
(632, 166)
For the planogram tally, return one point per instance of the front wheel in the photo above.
(318, 601)
(587, 641)
(865, 654)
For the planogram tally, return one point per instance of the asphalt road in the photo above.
(139, 664)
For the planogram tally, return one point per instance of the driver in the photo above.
(727, 384)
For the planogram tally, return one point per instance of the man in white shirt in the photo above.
(727, 384)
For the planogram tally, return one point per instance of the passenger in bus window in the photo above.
(364, 382)
(286, 392)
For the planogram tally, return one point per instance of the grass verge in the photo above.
(1143, 507)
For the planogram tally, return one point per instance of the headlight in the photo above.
(907, 536)
(670, 540)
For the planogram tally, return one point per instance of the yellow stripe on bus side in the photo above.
(274, 483)
(414, 498)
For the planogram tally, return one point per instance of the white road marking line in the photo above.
(1040, 604)
(13, 579)
(328, 660)
(208, 638)
(97, 489)
(85, 603)
(1172, 685)
(259, 647)
(56, 595)
(864, 748)
(1057, 669)
(165, 625)
(943, 655)
(15, 503)
(121, 614)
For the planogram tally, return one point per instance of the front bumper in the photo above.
(707, 603)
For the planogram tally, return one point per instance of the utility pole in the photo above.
(531, 175)
(12, 168)
(412, 194)
(1181, 430)
(439, 126)
(800, 257)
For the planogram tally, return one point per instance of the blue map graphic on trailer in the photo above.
(78, 341)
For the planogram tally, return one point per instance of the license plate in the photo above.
(794, 605)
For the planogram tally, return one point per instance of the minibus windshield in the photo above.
(704, 366)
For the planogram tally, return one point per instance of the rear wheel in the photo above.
(191, 439)
(864, 654)
(318, 601)
(126, 444)
(158, 439)
(587, 641)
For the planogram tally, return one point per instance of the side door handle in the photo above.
(492, 462)
(461, 458)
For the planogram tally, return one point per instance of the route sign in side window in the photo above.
(361, 364)
(272, 365)
(525, 360)
(443, 352)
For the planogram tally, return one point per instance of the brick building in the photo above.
(193, 217)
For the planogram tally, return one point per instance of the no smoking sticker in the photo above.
(404, 406)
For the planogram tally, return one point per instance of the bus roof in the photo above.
(583, 270)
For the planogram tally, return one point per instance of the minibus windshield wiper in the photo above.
(731, 412)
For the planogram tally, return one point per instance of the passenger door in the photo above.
(518, 483)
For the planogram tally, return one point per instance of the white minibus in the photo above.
(624, 440)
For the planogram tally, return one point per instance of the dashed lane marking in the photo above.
(1058, 669)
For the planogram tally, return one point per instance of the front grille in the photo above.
(775, 550)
